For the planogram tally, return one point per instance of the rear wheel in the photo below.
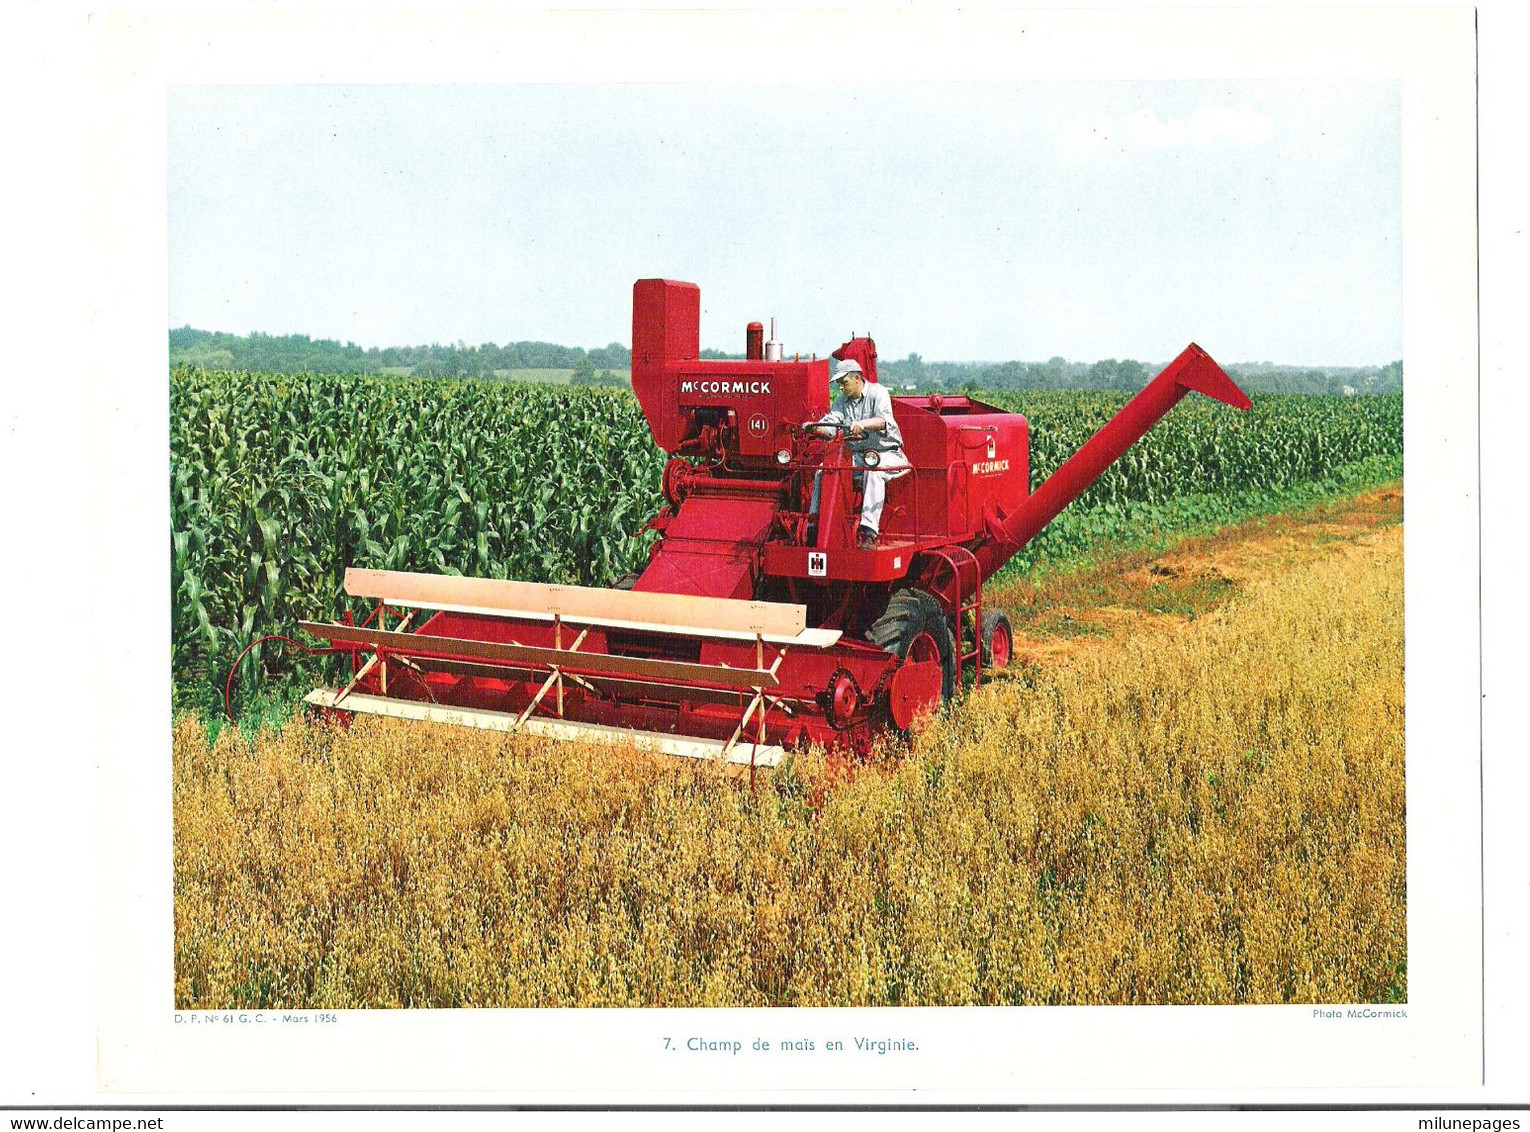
(914, 628)
(998, 640)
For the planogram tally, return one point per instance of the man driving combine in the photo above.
(864, 412)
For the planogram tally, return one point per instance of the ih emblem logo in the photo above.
(818, 564)
(992, 447)
(758, 425)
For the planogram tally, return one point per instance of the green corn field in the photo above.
(1202, 446)
(279, 482)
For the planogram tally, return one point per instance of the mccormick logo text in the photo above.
(725, 387)
(989, 467)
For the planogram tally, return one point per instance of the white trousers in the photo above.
(873, 485)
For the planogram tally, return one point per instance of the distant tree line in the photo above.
(1129, 375)
(297, 353)
(584, 374)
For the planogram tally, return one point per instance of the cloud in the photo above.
(1143, 131)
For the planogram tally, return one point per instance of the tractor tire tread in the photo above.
(910, 612)
(992, 618)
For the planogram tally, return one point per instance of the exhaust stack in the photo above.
(772, 347)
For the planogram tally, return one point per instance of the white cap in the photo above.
(845, 368)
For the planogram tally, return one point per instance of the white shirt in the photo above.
(874, 401)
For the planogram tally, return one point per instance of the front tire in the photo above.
(913, 627)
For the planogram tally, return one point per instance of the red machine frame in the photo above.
(756, 626)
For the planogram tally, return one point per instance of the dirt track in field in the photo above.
(1071, 613)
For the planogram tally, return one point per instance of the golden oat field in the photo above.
(1210, 810)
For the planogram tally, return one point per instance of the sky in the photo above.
(961, 221)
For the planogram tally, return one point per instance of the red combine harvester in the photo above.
(756, 625)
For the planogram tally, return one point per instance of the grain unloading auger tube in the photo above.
(761, 620)
(1192, 372)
